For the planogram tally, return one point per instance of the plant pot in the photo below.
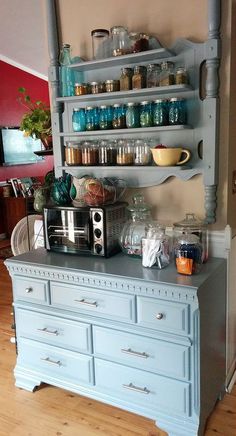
(47, 142)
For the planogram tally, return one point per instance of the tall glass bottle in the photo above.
(66, 73)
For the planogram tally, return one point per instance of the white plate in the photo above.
(22, 237)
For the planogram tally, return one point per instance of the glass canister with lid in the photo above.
(156, 247)
(192, 225)
(167, 76)
(120, 40)
(188, 254)
(135, 228)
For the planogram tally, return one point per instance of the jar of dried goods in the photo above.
(107, 153)
(81, 89)
(89, 153)
(138, 42)
(125, 153)
(167, 76)
(142, 153)
(181, 76)
(73, 154)
(153, 75)
(126, 79)
(120, 40)
(139, 77)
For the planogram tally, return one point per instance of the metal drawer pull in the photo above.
(52, 362)
(87, 303)
(136, 388)
(27, 290)
(159, 316)
(134, 353)
(49, 332)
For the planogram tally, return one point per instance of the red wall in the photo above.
(11, 112)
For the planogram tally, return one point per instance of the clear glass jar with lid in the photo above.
(126, 79)
(138, 42)
(181, 76)
(192, 225)
(120, 40)
(135, 228)
(188, 254)
(153, 75)
(125, 152)
(73, 153)
(100, 38)
(156, 247)
(167, 76)
(142, 152)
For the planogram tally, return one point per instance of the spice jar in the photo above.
(97, 87)
(146, 114)
(73, 154)
(112, 85)
(107, 153)
(142, 153)
(139, 77)
(125, 153)
(99, 43)
(78, 120)
(89, 153)
(177, 111)
(167, 76)
(138, 42)
(188, 254)
(181, 76)
(160, 112)
(153, 73)
(120, 41)
(126, 79)
(80, 89)
(132, 116)
(119, 118)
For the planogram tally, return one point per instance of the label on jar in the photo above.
(184, 265)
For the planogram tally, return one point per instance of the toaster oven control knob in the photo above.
(97, 217)
(98, 248)
(97, 233)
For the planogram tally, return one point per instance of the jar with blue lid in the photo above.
(132, 116)
(188, 254)
(177, 111)
(146, 118)
(78, 120)
(160, 112)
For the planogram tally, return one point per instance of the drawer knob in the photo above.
(136, 388)
(135, 353)
(51, 362)
(27, 290)
(159, 316)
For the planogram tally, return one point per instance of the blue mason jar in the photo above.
(105, 121)
(160, 112)
(90, 118)
(78, 120)
(177, 111)
(146, 119)
(132, 116)
(119, 117)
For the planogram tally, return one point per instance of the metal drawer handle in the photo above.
(51, 362)
(87, 303)
(136, 388)
(27, 290)
(159, 316)
(135, 353)
(49, 332)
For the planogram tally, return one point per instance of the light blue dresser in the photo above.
(148, 341)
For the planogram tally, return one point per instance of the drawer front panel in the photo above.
(55, 362)
(30, 289)
(142, 352)
(98, 303)
(163, 315)
(73, 335)
(142, 388)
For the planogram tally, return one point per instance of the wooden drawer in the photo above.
(95, 302)
(147, 390)
(163, 315)
(52, 330)
(142, 352)
(29, 289)
(55, 363)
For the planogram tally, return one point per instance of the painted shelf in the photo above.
(123, 132)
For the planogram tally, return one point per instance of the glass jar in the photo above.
(146, 114)
(125, 153)
(153, 74)
(138, 42)
(112, 85)
(177, 111)
(80, 89)
(126, 79)
(156, 247)
(119, 116)
(136, 227)
(89, 153)
(78, 120)
(160, 112)
(97, 87)
(142, 153)
(192, 225)
(167, 76)
(188, 254)
(105, 121)
(181, 76)
(99, 42)
(66, 74)
(92, 118)
(120, 41)
(139, 77)
(132, 116)
(73, 154)
(107, 153)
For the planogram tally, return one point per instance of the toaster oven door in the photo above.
(67, 230)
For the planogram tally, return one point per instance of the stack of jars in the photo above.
(122, 152)
(161, 112)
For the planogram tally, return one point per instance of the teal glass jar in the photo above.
(160, 112)
(177, 111)
(90, 118)
(119, 116)
(132, 116)
(146, 118)
(78, 120)
(105, 121)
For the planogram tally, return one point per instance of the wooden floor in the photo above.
(52, 411)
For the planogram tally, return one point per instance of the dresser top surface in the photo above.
(120, 265)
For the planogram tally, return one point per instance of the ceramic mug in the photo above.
(166, 157)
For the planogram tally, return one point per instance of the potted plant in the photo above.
(36, 122)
